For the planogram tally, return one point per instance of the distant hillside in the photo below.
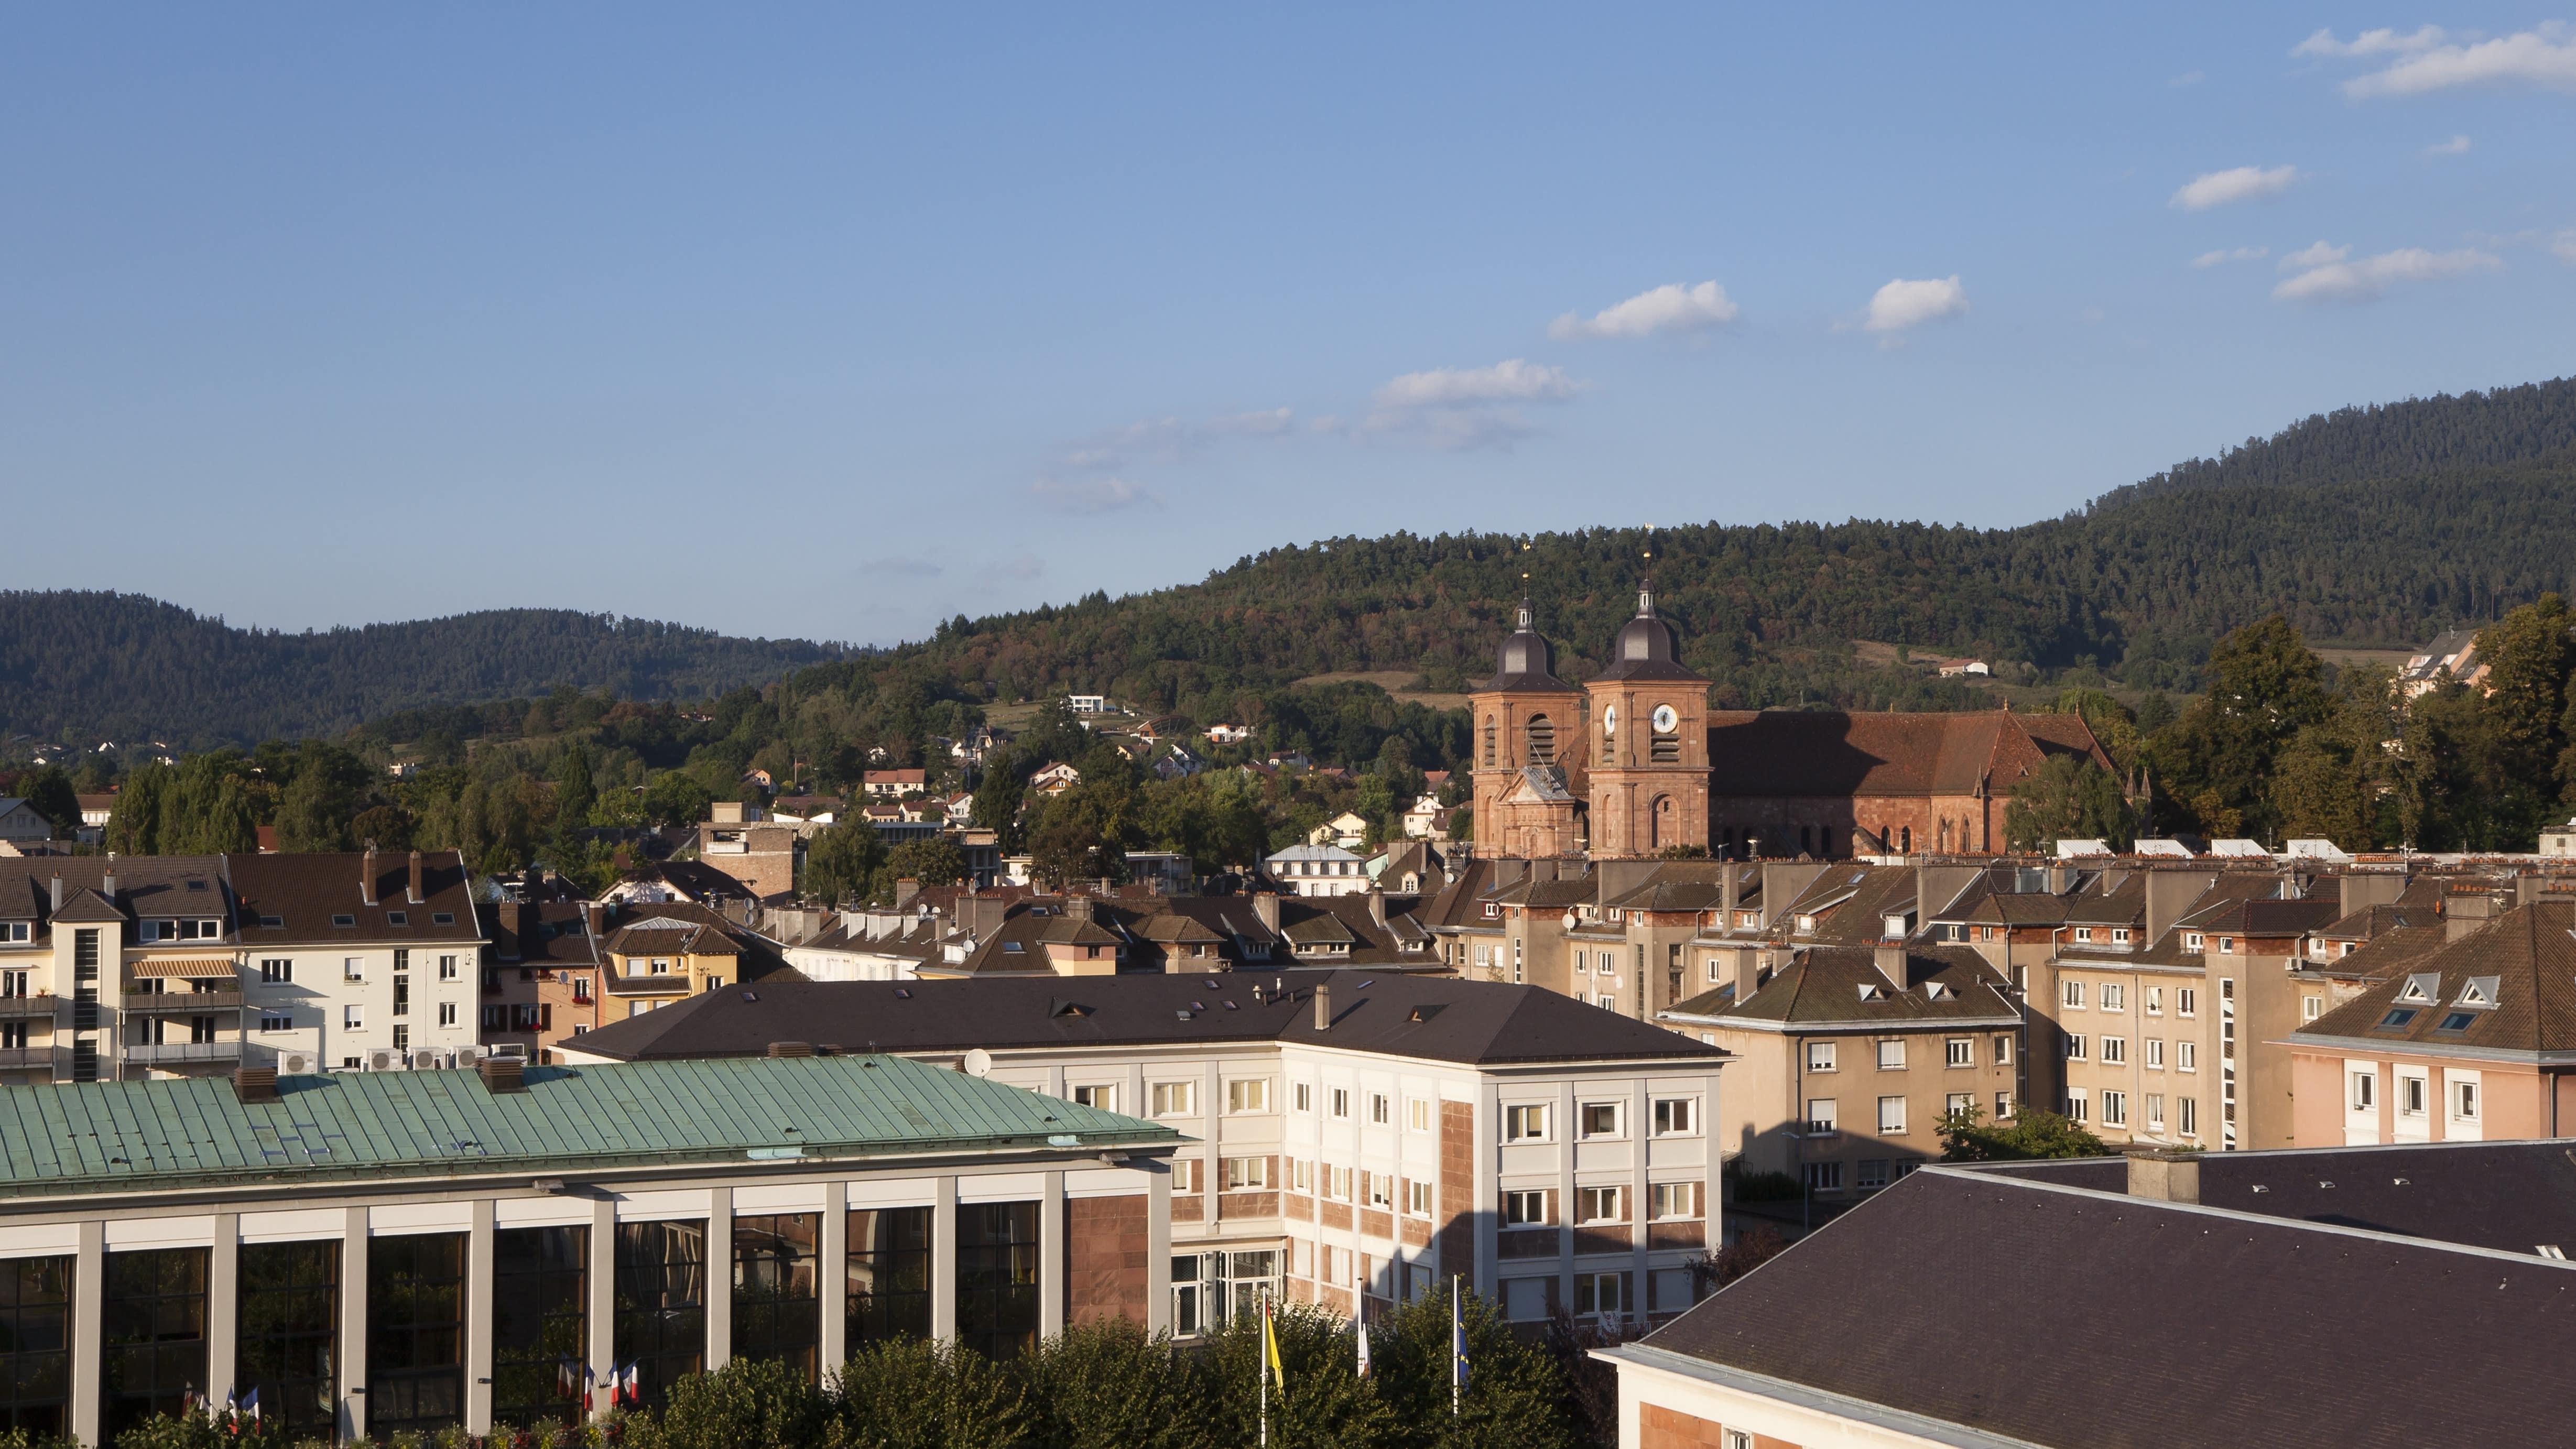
(126, 667)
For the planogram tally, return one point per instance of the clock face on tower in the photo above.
(1609, 719)
(1666, 719)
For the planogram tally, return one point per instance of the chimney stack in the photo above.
(1323, 1007)
(413, 895)
(1728, 892)
(501, 1075)
(1266, 906)
(1377, 905)
(367, 876)
(2166, 1175)
(904, 890)
(1079, 908)
(58, 890)
(1891, 964)
(255, 1084)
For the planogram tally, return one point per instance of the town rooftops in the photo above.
(354, 896)
(2509, 987)
(2437, 1250)
(1810, 753)
(1432, 1018)
(195, 1132)
(1821, 987)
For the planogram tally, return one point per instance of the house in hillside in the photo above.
(893, 784)
(2453, 654)
(1054, 778)
(1087, 703)
(1420, 820)
(1228, 734)
(1317, 870)
(19, 821)
(1346, 830)
(96, 811)
(1965, 668)
(1177, 763)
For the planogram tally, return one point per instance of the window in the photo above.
(353, 1018)
(154, 1316)
(1891, 1116)
(1103, 1098)
(1600, 1294)
(276, 972)
(402, 994)
(1176, 1099)
(415, 1333)
(2079, 1104)
(2187, 1056)
(1301, 1097)
(1246, 1174)
(2190, 1108)
(1381, 1109)
(20, 931)
(2156, 1110)
(1417, 1198)
(1959, 1102)
(1525, 1124)
(2115, 1109)
(1600, 1119)
(1675, 1117)
(1825, 1176)
(2457, 1021)
(1960, 1051)
(446, 968)
(2186, 1000)
(1601, 1205)
(1873, 1172)
(2115, 1050)
(269, 1022)
(2003, 1105)
(2073, 995)
(447, 1013)
(287, 1345)
(2398, 1019)
(2195, 941)
(1381, 1189)
(1251, 1094)
(2113, 996)
(2084, 933)
(2076, 1050)
(1524, 1209)
(2311, 1007)
(1820, 1116)
(1672, 1200)
(997, 1277)
(2155, 1001)
(2119, 935)
(1341, 1102)
(1185, 1175)
(353, 968)
(2155, 1046)
(2410, 1096)
(1301, 1175)
(2365, 1091)
(1891, 1056)
(1820, 1056)
(2003, 1051)
(2464, 1100)
(2227, 945)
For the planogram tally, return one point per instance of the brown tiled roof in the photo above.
(305, 893)
(2523, 964)
(1818, 985)
(685, 941)
(1804, 753)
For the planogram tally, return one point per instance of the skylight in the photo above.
(2457, 1021)
(2402, 1016)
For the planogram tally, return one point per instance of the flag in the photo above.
(250, 1404)
(1270, 1346)
(1457, 1347)
(1362, 1329)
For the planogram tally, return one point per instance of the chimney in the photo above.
(367, 876)
(2526, 889)
(58, 890)
(791, 1049)
(2466, 915)
(1266, 906)
(1323, 1007)
(254, 1084)
(904, 890)
(2168, 1175)
(1729, 891)
(413, 894)
(501, 1075)
(1079, 908)
(1377, 905)
(1890, 961)
(2169, 894)
(107, 884)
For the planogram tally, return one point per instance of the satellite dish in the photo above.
(979, 1063)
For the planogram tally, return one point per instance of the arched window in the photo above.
(1906, 833)
(1824, 840)
(1540, 734)
(1659, 823)
(1489, 740)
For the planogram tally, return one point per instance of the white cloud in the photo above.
(1672, 307)
(2431, 60)
(2240, 183)
(2339, 280)
(1092, 495)
(2563, 246)
(1267, 423)
(2372, 42)
(2314, 256)
(2238, 254)
(1902, 304)
(2456, 146)
(1467, 407)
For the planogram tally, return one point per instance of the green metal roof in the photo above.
(138, 1136)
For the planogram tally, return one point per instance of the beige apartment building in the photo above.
(1353, 1137)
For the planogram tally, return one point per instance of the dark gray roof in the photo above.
(2053, 1315)
(1476, 1022)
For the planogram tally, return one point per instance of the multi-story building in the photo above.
(2453, 1254)
(666, 952)
(191, 965)
(542, 981)
(1349, 1138)
(408, 1253)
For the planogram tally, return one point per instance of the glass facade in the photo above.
(415, 1333)
(997, 1277)
(540, 1323)
(777, 1307)
(290, 1334)
(889, 1275)
(35, 1345)
(154, 1335)
(661, 1303)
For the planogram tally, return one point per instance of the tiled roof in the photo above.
(2510, 986)
(1821, 985)
(193, 1132)
(1804, 753)
(308, 893)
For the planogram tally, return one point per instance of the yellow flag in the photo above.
(1270, 1346)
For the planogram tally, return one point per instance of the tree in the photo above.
(2067, 797)
(49, 793)
(2265, 685)
(843, 861)
(2034, 1134)
(675, 797)
(928, 862)
(575, 793)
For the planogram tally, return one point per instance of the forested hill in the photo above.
(2419, 435)
(129, 668)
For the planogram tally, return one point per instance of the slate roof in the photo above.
(305, 892)
(2104, 1320)
(1802, 753)
(1820, 986)
(143, 1136)
(146, 885)
(1476, 1022)
(2525, 961)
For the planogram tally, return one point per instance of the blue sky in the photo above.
(833, 324)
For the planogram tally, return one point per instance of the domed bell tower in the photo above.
(1647, 748)
(1529, 729)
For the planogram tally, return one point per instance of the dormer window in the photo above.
(2195, 941)
(2478, 992)
(1492, 910)
(1806, 925)
(2084, 933)
(344, 921)
(2119, 935)
(2418, 987)
(1872, 991)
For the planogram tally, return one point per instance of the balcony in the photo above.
(29, 1008)
(648, 985)
(172, 1054)
(180, 1003)
(40, 1059)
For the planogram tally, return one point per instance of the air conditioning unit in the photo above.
(467, 1056)
(511, 1050)
(430, 1061)
(296, 1064)
(384, 1060)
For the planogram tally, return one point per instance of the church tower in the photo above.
(1647, 746)
(1529, 727)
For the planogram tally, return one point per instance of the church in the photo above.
(1633, 762)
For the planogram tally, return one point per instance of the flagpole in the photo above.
(1457, 1346)
(1265, 1368)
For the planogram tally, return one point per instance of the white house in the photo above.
(1420, 821)
(1226, 734)
(1319, 870)
(19, 821)
(1087, 703)
(1346, 830)
(1055, 778)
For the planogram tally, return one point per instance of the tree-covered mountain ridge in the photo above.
(2370, 526)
